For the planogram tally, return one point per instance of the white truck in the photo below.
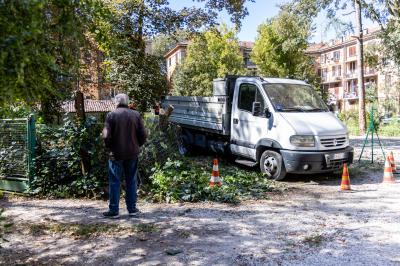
(282, 125)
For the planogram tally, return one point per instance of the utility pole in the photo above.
(360, 64)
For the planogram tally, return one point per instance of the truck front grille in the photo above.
(333, 142)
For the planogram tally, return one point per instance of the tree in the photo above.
(385, 12)
(41, 40)
(211, 55)
(280, 46)
(40, 50)
(134, 71)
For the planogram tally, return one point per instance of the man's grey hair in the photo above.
(121, 99)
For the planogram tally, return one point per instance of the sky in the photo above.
(259, 12)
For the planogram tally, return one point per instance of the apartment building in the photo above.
(336, 63)
(174, 57)
(177, 54)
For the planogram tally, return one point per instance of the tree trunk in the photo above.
(360, 64)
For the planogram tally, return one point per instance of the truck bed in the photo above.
(203, 113)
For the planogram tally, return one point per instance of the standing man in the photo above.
(123, 134)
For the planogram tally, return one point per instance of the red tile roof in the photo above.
(246, 44)
(91, 106)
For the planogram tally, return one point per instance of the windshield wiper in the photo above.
(316, 110)
(291, 109)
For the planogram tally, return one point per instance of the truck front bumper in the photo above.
(302, 162)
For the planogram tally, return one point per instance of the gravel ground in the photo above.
(310, 224)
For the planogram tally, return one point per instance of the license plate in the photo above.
(338, 156)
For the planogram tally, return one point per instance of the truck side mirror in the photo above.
(256, 110)
(267, 112)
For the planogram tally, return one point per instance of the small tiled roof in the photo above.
(176, 47)
(91, 106)
(246, 44)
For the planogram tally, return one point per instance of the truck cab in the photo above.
(282, 125)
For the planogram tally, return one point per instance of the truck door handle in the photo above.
(236, 121)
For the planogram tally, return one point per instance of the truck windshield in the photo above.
(294, 98)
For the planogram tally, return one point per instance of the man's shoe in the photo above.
(133, 213)
(112, 215)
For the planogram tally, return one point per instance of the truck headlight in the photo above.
(302, 141)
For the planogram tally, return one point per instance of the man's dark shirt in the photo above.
(124, 133)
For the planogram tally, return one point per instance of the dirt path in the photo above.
(310, 224)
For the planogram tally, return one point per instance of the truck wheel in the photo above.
(184, 147)
(271, 163)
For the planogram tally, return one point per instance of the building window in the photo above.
(323, 58)
(352, 51)
(352, 67)
(324, 72)
(169, 61)
(336, 71)
(336, 55)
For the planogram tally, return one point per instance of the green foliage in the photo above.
(59, 168)
(188, 180)
(350, 119)
(139, 76)
(165, 176)
(162, 43)
(211, 55)
(16, 109)
(279, 50)
(40, 48)
(159, 147)
(390, 130)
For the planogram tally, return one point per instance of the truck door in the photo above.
(247, 129)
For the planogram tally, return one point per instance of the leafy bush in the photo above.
(188, 180)
(390, 130)
(350, 119)
(159, 146)
(59, 160)
(167, 176)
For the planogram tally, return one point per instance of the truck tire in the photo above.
(184, 148)
(271, 164)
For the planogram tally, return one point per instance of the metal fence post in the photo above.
(31, 144)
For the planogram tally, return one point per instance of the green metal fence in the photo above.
(17, 152)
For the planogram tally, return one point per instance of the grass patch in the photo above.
(74, 229)
(144, 228)
(314, 240)
(358, 169)
(86, 230)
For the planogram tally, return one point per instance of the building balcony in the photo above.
(351, 75)
(351, 58)
(350, 95)
(370, 72)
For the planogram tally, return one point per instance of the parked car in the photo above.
(282, 125)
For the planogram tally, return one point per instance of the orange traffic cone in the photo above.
(215, 179)
(392, 163)
(388, 173)
(345, 185)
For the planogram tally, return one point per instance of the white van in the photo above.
(282, 125)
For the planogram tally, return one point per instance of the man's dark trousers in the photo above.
(115, 170)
